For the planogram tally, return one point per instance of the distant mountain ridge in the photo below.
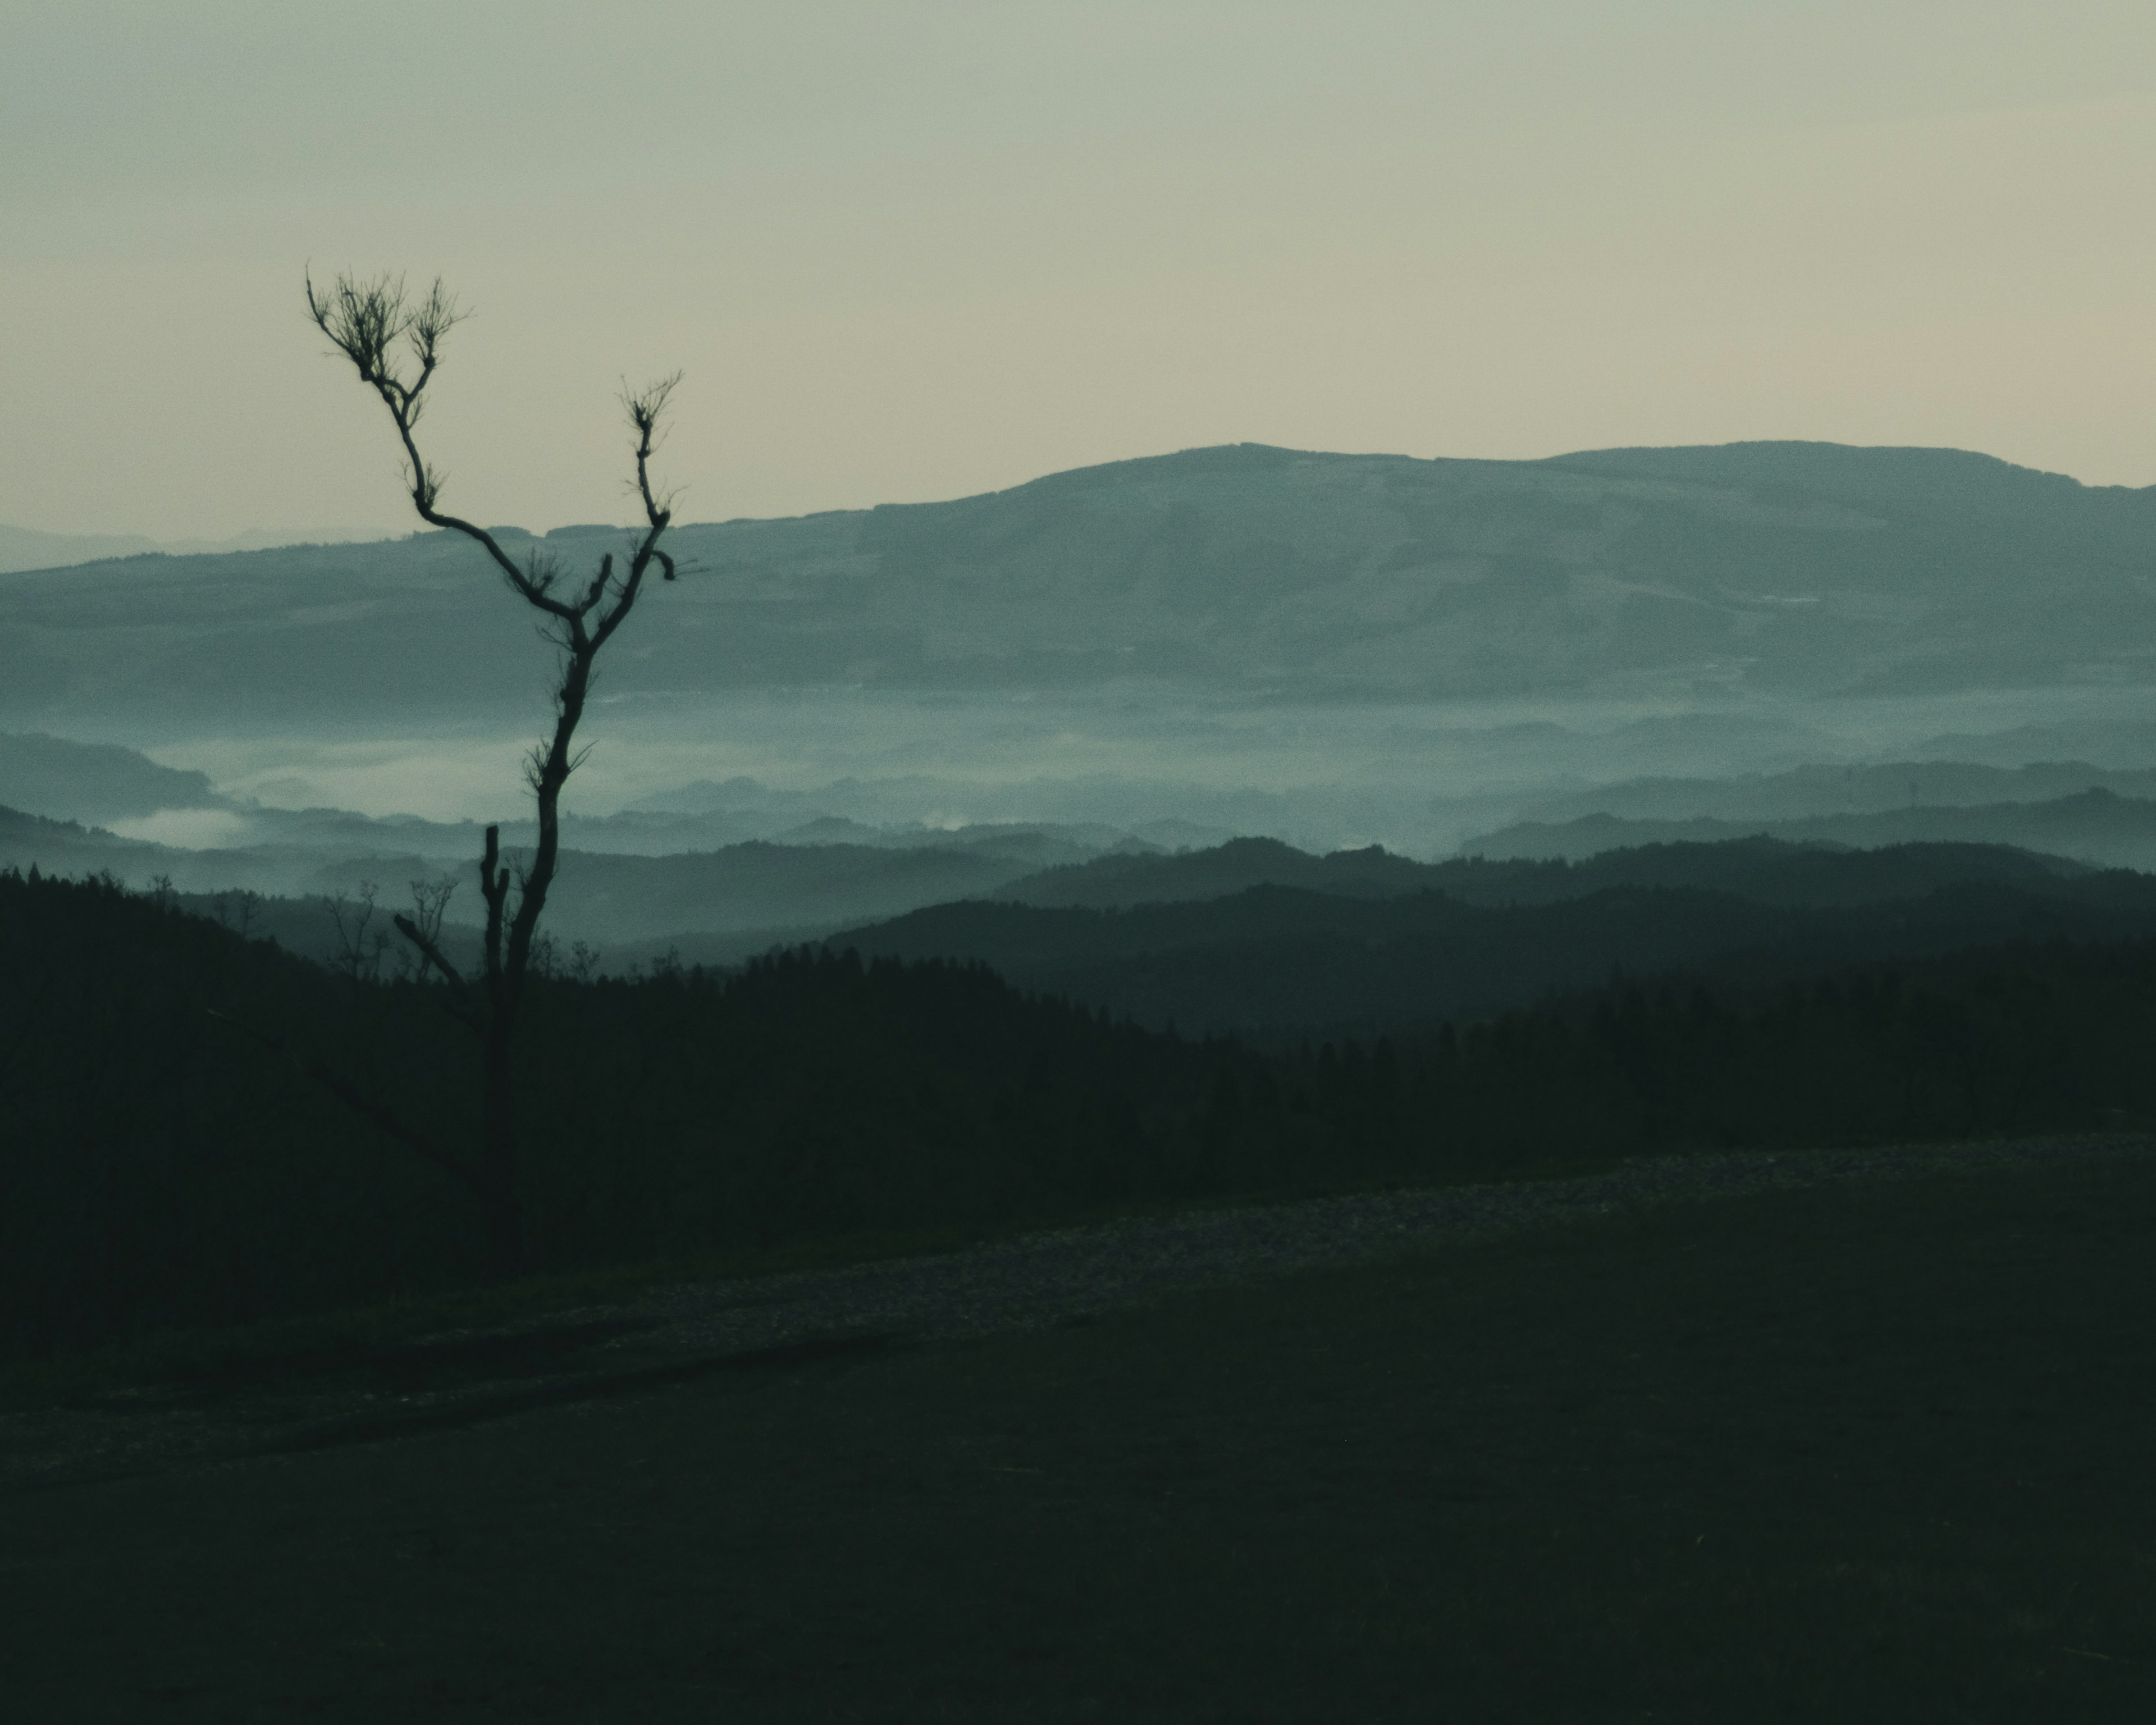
(2095, 825)
(1874, 788)
(26, 548)
(755, 888)
(1766, 869)
(92, 781)
(723, 904)
(1280, 959)
(1765, 568)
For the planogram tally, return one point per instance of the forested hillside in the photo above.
(163, 1166)
(1279, 961)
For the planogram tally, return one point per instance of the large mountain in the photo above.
(1796, 568)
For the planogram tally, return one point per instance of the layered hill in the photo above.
(1766, 870)
(1483, 937)
(2095, 825)
(755, 888)
(1778, 568)
(1873, 788)
(67, 780)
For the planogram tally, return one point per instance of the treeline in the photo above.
(1269, 962)
(1994, 1041)
(162, 1164)
(1768, 870)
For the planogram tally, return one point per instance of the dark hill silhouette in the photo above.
(2095, 825)
(162, 1167)
(1769, 871)
(1221, 869)
(1274, 959)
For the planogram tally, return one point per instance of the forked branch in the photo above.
(394, 341)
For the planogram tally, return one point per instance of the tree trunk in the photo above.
(500, 1213)
(368, 322)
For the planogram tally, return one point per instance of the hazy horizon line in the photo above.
(249, 539)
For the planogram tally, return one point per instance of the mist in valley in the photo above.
(1829, 645)
(809, 814)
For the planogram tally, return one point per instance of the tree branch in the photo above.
(365, 321)
(493, 883)
(429, 952)
(374, 1112)
(460, 1002)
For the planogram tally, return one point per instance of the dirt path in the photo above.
(769, 1323)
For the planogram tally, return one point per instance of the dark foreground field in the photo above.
(1879, 1450)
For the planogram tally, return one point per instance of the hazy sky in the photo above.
(918, 250)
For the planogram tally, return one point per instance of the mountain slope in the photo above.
(94, 782)
(1761, 567)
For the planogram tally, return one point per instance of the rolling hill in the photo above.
(1764, 870)
(2094, 826)
(1271, 960)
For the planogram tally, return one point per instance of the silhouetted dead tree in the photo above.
(395, 342)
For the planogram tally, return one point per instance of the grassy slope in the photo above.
(1871, 1452)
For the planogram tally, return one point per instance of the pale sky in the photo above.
(908, 251)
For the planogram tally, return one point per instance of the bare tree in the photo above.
(360, 945)
(237, 910)
(430, 904)
(395, 342)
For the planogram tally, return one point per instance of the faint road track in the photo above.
(1031, 1281)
